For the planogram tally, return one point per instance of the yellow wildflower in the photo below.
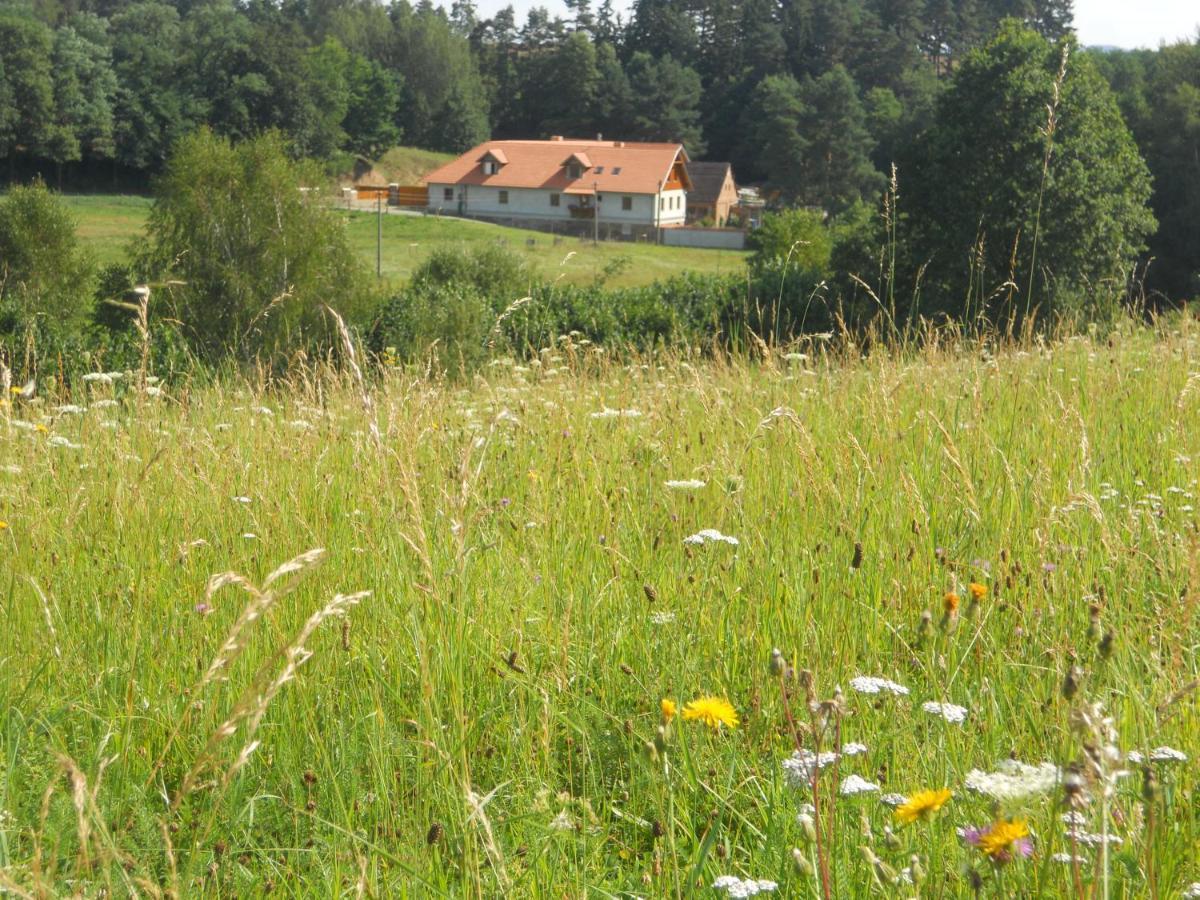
(950, 603)
(712, 711)
(922, 805)
(978, 591)
(3, 525)
(668, 710)
(1004, 838)
(41, 428)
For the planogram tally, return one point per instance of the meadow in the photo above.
(525, 645)
(109, 224)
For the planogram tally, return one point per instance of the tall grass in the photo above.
(487, 723)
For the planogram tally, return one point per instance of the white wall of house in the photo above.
(534, 203)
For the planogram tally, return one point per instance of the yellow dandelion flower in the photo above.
(1004, 839)
(41, 428)
(978, 591)
(668, 710)
(950, 603)
(712, 711)
(3, 525)
(922, 805)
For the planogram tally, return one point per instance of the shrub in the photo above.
(45, 278)
(256, 255)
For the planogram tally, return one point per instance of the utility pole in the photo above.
(378, 234)
(596, 214)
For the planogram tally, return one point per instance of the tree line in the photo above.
(814, 99)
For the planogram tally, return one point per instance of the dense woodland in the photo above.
(815, 99)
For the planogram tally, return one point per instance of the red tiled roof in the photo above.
(615, 166)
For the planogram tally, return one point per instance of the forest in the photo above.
(817, 101)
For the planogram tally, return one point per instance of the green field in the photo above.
(108, 224)
(483, 723)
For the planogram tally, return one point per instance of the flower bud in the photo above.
(804, 866)
(778, 664)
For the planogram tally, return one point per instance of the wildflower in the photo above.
(1068, 859)
(562, 822)
(57, 440)
(737, 887)
(893, 799)
(1192, 891)
(691, 484)
(950, 603)
(853, 785)
(40, 428)
(668, 710)
(1014, 780)
(798, 768)
(1091, 840)
(710, 534)
(922, 805)
(3, 525)
(870, 685)
(955, 715)
(1001, 840)
(662, 617)
(978, 591)
(712, 711)
(607, 413)
(1158, 754)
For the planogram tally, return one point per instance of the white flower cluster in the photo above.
(867, 684)
(853, 784)
(739, 887)
(1158, 754)
(955, 715)
(1014, 780)
(1192, 891)
(607, 413)
(690, 484)
(1092, 840)
(893, 799)
(798, 768)
(708, 535)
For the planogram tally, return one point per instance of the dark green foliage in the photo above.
(257, 257)
(1000, 232)
(26, 85)
(45, 276)
(1159, 94)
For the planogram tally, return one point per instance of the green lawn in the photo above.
(108, 224)
(1012, 531)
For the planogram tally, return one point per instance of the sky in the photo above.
(1117, 23)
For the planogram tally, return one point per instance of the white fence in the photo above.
(712, 238)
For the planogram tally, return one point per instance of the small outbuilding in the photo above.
(714, 194)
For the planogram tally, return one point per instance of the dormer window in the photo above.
(491, 161)
(576, 164)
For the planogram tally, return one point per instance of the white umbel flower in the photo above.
(710, 535)
(853, 785)
(743, 887)
(1014, 780)
(868, 684)
(690, 484)
(955, 715)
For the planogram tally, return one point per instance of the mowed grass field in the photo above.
(485, 722)
(109, 224)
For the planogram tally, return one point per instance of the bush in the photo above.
(256, 255)
(46, 278)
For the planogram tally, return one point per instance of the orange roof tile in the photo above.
(614, 166)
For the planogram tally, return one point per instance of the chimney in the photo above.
(556, 137)
(599, 135)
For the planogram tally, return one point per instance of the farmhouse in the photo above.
(714, 193)
(609, 187)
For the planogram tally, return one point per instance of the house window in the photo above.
(599, 170)
(616, 170)
(662, 203)
(627, 203)
(489, 167)
(504, 197)
(556, 199)
(447, 193)
(574, 171)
